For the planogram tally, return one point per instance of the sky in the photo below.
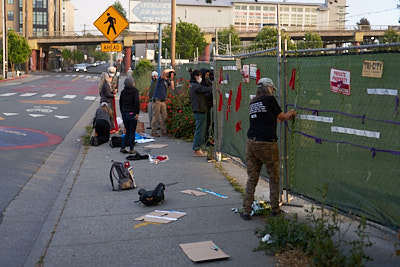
(378, 12)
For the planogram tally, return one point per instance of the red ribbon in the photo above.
(292, 82)
(238, 97)
(238, 126)
(258, 75)
(220, 103)
(228, 107)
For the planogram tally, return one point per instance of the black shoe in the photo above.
(276, 213)
(245, 216)
(148, 128)
(123, 151)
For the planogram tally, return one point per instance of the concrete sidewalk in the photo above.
(95, 226)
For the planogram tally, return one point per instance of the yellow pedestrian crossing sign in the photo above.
(111, 23)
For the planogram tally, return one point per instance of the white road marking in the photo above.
(29, 94)
(10, 114)
(49, 95)
(90, 98)
(36, 115)
(69, 96)
(8, 94)
(61, 117)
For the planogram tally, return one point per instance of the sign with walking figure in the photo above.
(111, 23)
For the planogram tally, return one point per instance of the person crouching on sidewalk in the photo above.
(102, 125)
(262, 147)
(199, 107)
(129, 107)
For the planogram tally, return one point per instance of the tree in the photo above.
(311, 40)
(142, 74)
(268, 38)
(100, 56)
(188, 39)
(223, 40)
(390, 36)
(77, 56)
(363, 24)
(18, 49)
(67, 56)
(117, 5)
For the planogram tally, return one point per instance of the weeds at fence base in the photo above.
(320, 238)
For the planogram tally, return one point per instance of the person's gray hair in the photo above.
(103, 77)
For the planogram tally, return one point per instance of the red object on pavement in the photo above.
(115, 129)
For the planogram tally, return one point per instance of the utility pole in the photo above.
(173, 33)
(5, 65)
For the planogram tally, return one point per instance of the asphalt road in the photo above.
(36, 113)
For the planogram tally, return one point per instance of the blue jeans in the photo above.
(201, 130)
(130, 125)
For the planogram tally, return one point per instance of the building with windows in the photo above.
(39, 17)
(253, 15)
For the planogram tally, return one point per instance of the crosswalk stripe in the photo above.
(69, 96)
(29, 94)
(8, 94)
(49, 95)
(89, 98)
(36, 115)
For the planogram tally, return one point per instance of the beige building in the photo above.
(39, 17)
(253, 15)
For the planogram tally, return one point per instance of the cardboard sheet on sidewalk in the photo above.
(156, 146)
(203, 251)
(161, 216)
(193, 192)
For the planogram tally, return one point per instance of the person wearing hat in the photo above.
(129, 107)
(159, 106)
(262, 147)
(154, 77)
(102, 125)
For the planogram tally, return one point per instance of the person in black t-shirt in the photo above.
(262, 147)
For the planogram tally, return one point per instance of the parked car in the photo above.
(80, 67)
(92, 64)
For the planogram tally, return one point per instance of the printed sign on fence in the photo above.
(372, 69)
(340, 81)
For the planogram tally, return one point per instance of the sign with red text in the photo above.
(340, 81)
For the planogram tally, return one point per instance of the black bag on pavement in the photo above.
(122, 173)
(116, 141)
(152, 197)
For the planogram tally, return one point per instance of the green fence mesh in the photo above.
(351, 143)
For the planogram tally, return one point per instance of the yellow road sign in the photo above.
(111, 23)
(111, 47)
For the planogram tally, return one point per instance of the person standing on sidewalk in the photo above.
(159, 106)
(154, 77)
(199, 107)
(262, 147)
(129, 107)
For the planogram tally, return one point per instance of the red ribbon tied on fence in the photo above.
(228, 107)
(238, 126)
(292, 82)
(220, 103)
(238, 97)
(258, 75)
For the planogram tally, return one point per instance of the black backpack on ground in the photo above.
(152, 197)
(122, 175)
(115, 141)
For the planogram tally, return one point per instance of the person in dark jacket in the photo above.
(102, 125)
(199, 107)
(129, 107)
(206, 81)
(152, 88)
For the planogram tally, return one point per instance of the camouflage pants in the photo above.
(257, 154)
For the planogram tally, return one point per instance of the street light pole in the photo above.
(173, 32)
(4, 40)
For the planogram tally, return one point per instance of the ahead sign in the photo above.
(111, 47)
(111, 23)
